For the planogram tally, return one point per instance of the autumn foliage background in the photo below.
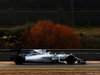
(48, 35)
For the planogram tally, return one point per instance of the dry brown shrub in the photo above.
(48, 35)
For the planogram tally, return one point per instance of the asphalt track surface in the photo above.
(11, 65)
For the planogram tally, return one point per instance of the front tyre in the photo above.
(71, 59)
(19, 60)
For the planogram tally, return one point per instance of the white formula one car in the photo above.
(40, 55)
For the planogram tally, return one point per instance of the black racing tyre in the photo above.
(19, 60)
(71, 59)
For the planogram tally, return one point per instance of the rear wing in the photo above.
(14, 53)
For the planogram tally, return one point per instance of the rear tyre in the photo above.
(71, 59)
(19, 60)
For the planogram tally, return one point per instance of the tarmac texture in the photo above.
(12, 65)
